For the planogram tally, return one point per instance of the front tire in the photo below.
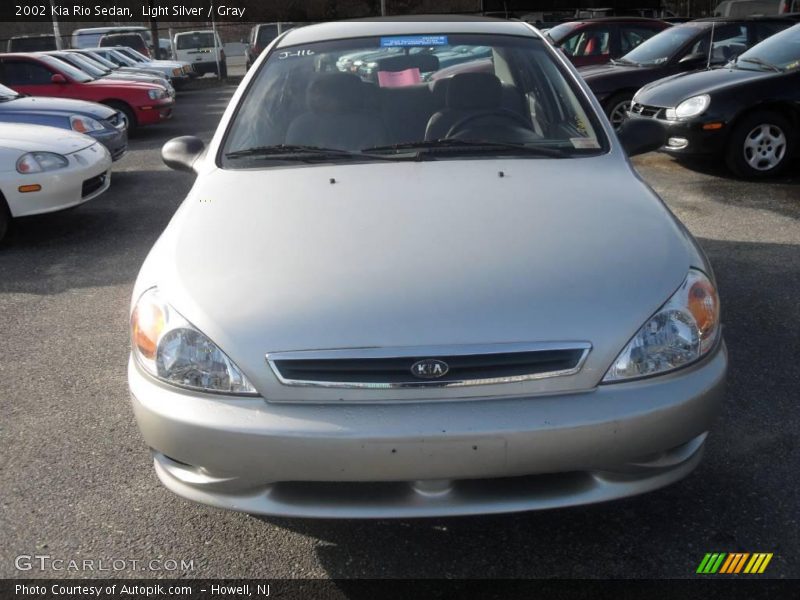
(617, 108)
(761, 145)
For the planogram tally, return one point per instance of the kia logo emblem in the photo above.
(429, 368)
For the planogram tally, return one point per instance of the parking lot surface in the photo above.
(78, 483)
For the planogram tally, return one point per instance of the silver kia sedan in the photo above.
(399, 295)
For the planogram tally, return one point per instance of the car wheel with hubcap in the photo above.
(761, 145)
(617, 109)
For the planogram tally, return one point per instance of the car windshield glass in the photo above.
(502, 95)
(66, 69)
(662, 46)
(135, 54)
(779, 52)
(189, 41)
(127, 52)
(120, 58)
(102, 61)
(91, 61)
(7, 93)
(559, 32)
(80, 63)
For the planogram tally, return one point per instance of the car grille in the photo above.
(92, 185)
(431, 366)
(654, 112)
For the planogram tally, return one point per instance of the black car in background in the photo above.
(679, 49)
(747, 113)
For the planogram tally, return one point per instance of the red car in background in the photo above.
(597, 41)
(142, 103)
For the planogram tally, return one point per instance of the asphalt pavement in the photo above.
(77, 481)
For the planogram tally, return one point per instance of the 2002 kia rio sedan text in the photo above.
(399, 298)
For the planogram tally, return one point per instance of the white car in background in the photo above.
(203, 50)
(45, 169)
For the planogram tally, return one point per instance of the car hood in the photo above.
(411, 254)
(609, 78)
(45, 105)
(671, 91)
(31, 138)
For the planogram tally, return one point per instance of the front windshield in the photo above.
(111, 66)
(559, 32)
(79, 63)
(779, 52)
(7, 93)
(500, 90)
(66, 69)
(134, 56)
(120, 58)
(91, 61)
(662, 46)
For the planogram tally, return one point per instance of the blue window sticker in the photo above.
(413, 40)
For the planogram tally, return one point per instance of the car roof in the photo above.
(780, 18)
(616, 20)
(421, 25)
(195, 31)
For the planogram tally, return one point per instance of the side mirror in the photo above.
(638, 135)
(181, 153)
(58, 78)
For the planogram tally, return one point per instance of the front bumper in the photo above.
(155, 111)
(87, 176)
(201, 68)
(114, 139)
(690, 139)
(378, 461)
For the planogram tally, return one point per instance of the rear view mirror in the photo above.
(58, 78)
(181, 153)
(638, 135)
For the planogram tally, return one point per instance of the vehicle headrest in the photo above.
(439, 89)
(474, 90)
(424, 62)
(335, 92)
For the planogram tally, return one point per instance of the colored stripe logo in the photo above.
(734, 563)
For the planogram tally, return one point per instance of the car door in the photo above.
(31, 77)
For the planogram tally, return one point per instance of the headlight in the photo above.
(156, 94)
(85, 124)
(36, 162)
(171, 349)
(693, 106)
(682, 331)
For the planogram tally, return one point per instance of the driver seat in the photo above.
(466, 94)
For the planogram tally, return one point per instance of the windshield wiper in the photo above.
(624, 61)
(761, 63)
(456, 145)
(301, 152)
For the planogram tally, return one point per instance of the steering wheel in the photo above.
(497, 112)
